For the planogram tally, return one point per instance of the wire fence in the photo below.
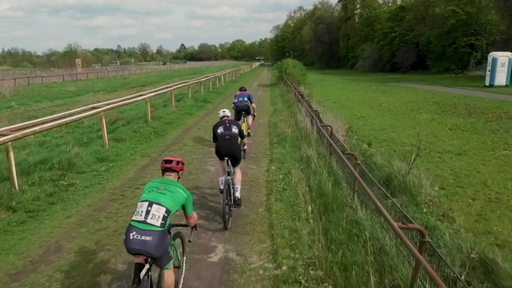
(8, 81)
(371, 196)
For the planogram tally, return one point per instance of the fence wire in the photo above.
(363, 183)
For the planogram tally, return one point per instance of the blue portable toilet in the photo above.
(499, 66)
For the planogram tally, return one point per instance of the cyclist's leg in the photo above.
(248, 112)
(169, 278)
(238, 115)
(165, 260)
(221, 167)
(236, 158)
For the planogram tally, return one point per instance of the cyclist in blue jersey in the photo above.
(244, 102)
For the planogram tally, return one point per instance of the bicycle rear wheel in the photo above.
(148, 281)
(226, 204)
(179, 257)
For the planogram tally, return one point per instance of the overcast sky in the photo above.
(38, 26)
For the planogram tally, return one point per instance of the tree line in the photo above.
(394, 35)
(368, 35)
(236, 50)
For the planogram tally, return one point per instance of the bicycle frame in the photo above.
(181, 259)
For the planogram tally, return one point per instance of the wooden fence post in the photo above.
(148, 110)
(172, 100)
(12, 166)
(104, 134)
(202, 87)
(189, 91)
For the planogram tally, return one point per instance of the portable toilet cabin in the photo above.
(499, 66)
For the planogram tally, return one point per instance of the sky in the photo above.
(39, 26)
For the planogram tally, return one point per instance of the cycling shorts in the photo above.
(244, 107)
(149, 243)
(230, 150)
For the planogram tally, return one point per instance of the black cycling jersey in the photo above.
(227, 134)
(227, 130)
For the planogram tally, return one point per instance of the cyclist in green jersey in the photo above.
(147, 234)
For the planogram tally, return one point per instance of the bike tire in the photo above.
(149, 279)
(226, 211)
(178, 248)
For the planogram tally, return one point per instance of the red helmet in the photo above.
(174, 163)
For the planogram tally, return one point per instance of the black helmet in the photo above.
(242, 89)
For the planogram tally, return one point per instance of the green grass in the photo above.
(321, 237)
(41, 100)
(472, 82)
(463, 171)
(63, 172)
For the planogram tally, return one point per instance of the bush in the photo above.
(292, 70)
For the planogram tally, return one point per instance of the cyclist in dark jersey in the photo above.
(147, 233)
(227, 134)
(244, 102)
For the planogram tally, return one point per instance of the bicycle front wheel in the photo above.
(179, 257)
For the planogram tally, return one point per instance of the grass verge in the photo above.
(321, 237)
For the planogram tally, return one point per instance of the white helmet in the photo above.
(223, 113)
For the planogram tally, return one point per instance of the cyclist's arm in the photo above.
(188, 209)
(214, 135)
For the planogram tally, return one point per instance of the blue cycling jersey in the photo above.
(242, 97)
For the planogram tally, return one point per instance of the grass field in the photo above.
(320, 237)
(61, 172)
(463, 145)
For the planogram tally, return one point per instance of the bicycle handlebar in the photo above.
(193, 229)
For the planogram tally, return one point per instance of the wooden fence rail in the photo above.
(15, 132)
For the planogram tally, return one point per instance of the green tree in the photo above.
(206, 52)
(287, 38)
(236, 49)
(145, 52)
(321, 41)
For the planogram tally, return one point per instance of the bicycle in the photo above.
(245, 129)
(228, 196)
(178, 250)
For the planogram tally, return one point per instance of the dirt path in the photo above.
(215, 253)
(213, 256)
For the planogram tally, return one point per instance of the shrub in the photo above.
(292, 70)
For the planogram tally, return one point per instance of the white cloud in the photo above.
(52, 24)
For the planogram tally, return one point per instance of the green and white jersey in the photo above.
(161, 198)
